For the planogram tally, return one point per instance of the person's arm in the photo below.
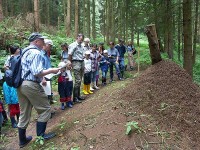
(117, 58)
(48, 71)
(70, 58)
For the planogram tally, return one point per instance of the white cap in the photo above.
(105, 51)
(87, 53)
(62, 65)
(86, 40)
(47, 41)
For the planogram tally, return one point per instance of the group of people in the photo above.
(81, 57)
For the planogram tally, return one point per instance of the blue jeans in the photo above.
(1, 119)
(121, 64)
(104, 74)
(93, 76)
(113, 63)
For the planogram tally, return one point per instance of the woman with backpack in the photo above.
(10, 93)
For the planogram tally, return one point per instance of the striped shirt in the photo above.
(32, 60)
(94, 59)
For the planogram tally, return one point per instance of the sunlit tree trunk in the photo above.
(187, 34)
(36, 15)
(76, 19)
(68, 19)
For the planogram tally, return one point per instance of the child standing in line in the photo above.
(11, 98)
(63, 86)
(104, 65)
(87, 73)
(95, 57)
(10, 93)
(69, 85)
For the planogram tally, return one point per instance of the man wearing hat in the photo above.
(31, 93)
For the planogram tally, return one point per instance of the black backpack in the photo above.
(13, 74)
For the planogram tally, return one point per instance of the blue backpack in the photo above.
(13, 74)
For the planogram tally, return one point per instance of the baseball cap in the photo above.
(47, 41)
(105, 51)
(34, 36)
(87, 53)
(86, 40)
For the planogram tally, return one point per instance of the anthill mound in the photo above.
(167, 92)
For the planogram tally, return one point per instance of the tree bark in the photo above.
(179, 32)
(68, 19)
(36, 16)
(168, 40)
(1, 11)
(153, 43)
(76, 19)
(93, 20)
(187, 35)
(195, 31)
(138, 37)
(88, 18)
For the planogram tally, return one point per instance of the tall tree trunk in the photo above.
(187, 34)
(1, 11)
(112, 22)
(48, 13)
(84, 16)
(195, 30)
(132, 26)
(93, 20)
(107, 21)
(5, 4)
(127, 19)
(168, 40)
(179, 31)
(76, 19)
(88, 18)
(153, 43)
(138, 37)
(68, 19)
(36, 16)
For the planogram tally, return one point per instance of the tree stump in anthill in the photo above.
(150, 31)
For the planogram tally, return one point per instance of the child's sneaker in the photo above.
(62, 106)
(69, 104)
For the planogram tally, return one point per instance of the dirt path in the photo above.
(99, 123)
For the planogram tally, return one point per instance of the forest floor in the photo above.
(161, 106)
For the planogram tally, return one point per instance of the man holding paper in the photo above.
(30, 93)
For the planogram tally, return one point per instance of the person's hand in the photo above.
(44, 82)
(116, 62)
(55, 70)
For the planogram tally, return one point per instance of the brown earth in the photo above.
(163, 101)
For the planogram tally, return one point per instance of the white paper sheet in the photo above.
(47, 88)
(1, 76)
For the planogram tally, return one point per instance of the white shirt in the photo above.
(88, 65)
(69, 75)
